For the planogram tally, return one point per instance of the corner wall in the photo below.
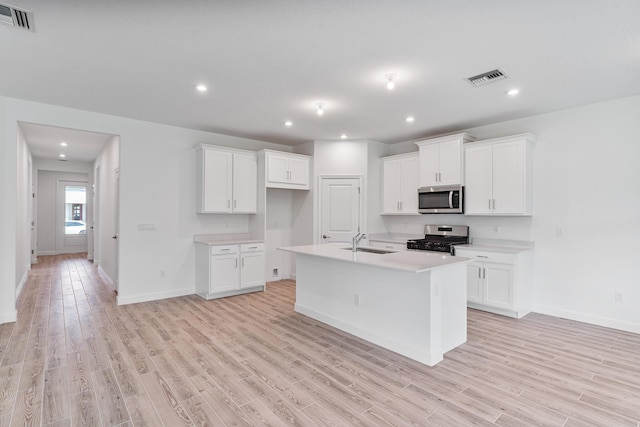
(585, 223)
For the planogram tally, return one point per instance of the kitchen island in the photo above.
(411, 302)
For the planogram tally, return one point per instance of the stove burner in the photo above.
(441, 238)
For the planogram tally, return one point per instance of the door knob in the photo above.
(324, 236)
(115, 237)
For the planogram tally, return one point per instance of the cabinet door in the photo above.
(245, 183)
(252, 269)
(277, 168)
(224, 273)
(409, 176)
(478, 187)
(390, 186)
(299, 171)
(450, 163)
(499, 285)
(429, 165)
(217, 177)
(474, 282)
(508, 178)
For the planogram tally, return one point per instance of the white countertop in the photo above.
(224, 239)
(501, 246)
(408, 261)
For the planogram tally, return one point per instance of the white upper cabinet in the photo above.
(499, 176)
(286, 170)
(226, 180)
(441, 160)
(400, 184)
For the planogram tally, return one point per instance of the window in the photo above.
(75, 201)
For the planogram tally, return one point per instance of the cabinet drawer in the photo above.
(224, 249)
(252, 247)
(486, 256)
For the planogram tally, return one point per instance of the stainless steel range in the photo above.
(441, 238)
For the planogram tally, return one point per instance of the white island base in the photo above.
(421, 315)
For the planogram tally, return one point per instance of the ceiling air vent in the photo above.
(15, 17)
(488, 77)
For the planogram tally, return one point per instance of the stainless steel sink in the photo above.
(371, 250)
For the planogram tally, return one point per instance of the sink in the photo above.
(371, 250)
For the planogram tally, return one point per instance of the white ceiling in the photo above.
(82, 146)
(269, 61)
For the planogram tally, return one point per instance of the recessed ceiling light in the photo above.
(320, 110)
(288, 123)
(343, 136)
(391, 81)
(63, 144)
(62, 156)
(201, 88)
(513, 92)
(410, 119)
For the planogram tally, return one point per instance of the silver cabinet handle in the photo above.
(494, 203)
(236, 262)
(401, 205)
(234, 204)
(228, 203)
(436, 174)
(242, 262)
(484, 273)
(479, 273)
(481, 256)
(489, 203)
(224, 250)
(253, 247)
(439, 176)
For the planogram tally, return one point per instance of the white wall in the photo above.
(46, 195)
(23, 208)
(279, 220)
(8, 185)
(586, 221)
(157, 176)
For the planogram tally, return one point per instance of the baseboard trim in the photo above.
(124, 300)
(103, 274)
(585, 318)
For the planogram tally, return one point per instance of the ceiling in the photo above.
(267, 61)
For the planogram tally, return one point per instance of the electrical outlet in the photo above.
(559, 232)
(619, 297)
(275, 274)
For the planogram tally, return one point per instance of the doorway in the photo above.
(340, 209)
(71, 218)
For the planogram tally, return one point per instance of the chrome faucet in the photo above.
(356, 239)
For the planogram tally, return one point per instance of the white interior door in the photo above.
(340, 209)
(32, 216)
(116, 232)
(72, 217)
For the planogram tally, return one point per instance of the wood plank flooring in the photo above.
(75, 358)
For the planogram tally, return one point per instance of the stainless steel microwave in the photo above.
(441, 199)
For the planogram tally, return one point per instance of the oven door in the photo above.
(445, 199)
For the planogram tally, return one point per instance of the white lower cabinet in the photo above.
(229, 269)
(498, 282)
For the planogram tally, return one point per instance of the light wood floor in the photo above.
(75, 358)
